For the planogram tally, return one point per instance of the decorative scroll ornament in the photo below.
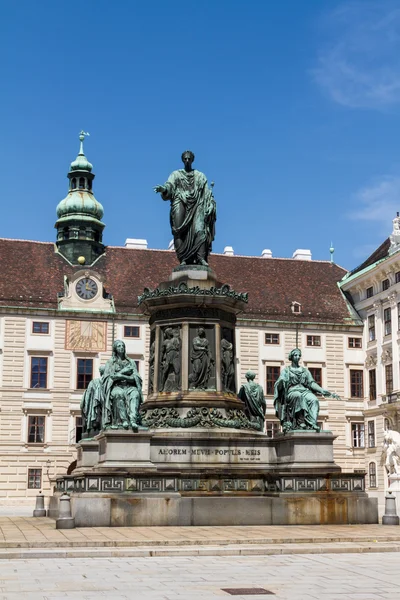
(393, 299)
(224, 291)
(197, 417)
(371, 361)
(386, 356)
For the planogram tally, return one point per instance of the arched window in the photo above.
(372, 474)
(66, 234)
(81, 183)
(96, 236)
(82, 233)
(89, 184)
(386, 424)
(73, 183)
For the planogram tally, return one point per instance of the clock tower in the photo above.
(79, 226)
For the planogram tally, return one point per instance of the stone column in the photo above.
(185, 357)
(218, 382)
(156, 359)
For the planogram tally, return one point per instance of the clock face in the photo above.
(86, 288)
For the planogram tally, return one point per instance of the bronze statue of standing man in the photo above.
(193, 212)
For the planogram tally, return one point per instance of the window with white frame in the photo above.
(385, 285)
(370, 292)
(355, 342)
(372, 384)
(356, 383)
(272, 428)
(371, 328)
(313, 340)
(34, 479)
(39, 366)
(78, 429)
(272, 375)
(371, 434)
(389, 378)
(316, 374)
(357, 435)
(40, 327)
(387, 321)
(372, 475)
(36, 429)
(131, 331)
(272, 338)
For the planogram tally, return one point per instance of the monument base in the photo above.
(167, 477)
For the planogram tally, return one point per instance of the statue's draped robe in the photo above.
(294, 398)
(201, 363)
(228, 368)
(121, 398)
(193, 212)
(252, 395)
(91, 406)
(171, 363)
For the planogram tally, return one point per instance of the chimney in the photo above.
(134, 243)
(228, 251)
(266, 253)
(301, 254)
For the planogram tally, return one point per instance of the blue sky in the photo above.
(291, 107)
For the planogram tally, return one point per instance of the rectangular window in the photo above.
(397, 276)
(78, 429)
(371, 328)
(372, 384)
(371, 434)
(272, 338)
(272, 376)
(40, 327)
(357, 435)
(131, 331)
(387, 321)
(356, 383)
(38, 372)
(313, 340)
(316, 373)
(35, 429)
(372, 474)
(84, 373)
(355, 342)
(385, 285)
(389, 379)
(34, 479)
(370, 292)
(272, 428)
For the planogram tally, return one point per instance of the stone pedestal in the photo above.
(394, 487)
(204, 460)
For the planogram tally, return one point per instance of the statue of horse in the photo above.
(391, 451)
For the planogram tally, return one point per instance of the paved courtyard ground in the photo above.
(307, 577)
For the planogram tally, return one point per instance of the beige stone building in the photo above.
(374, 290)
(62, 305)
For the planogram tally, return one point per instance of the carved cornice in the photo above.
(224, 290)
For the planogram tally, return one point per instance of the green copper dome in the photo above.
(80, 203)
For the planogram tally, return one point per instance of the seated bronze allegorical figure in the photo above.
(122, 386)
(296, 404)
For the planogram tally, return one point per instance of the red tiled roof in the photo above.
(32, 274)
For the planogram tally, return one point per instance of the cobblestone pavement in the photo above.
(305, 577)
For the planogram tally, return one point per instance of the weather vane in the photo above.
(82, 137)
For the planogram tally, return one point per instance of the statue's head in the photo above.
(187, 159)
(293, 352)
(168, 332)
(118, 348)
(201, 331)
(250, 375)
